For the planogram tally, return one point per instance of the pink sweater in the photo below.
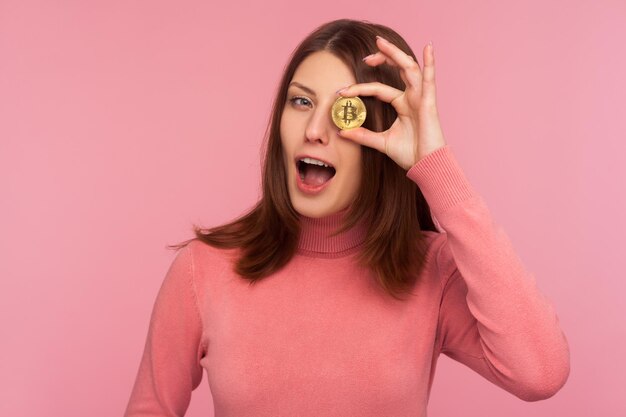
(319, 339)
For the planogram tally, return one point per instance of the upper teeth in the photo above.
(314, 161)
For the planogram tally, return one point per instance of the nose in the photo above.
(320, 126)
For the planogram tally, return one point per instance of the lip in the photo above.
(299, 157)
(309, 189)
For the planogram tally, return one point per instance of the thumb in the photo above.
(365, 137)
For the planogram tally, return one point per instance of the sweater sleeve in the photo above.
(492, 317)
(170, 366)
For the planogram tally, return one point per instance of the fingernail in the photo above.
(342, 89)
(367, 57)
(380, 37)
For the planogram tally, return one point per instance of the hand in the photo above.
(416, 132)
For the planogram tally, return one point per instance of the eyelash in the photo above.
(293, 99)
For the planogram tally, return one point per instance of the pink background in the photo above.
(123, 122)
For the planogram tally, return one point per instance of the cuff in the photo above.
(441, 180)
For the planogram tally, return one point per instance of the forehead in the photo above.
(322, 71)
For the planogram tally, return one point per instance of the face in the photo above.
(307, 129)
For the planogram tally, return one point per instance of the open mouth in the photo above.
(314, 174)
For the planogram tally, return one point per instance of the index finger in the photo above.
(410, 68)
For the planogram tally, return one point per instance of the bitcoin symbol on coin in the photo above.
(348, 112)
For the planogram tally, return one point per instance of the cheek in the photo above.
(352, 176)
(355, 161)
(286, 136)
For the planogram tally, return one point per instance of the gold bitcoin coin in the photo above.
(348, 112)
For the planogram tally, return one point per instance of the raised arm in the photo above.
(493, 318)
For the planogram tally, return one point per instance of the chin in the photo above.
(313, 210)
(310, 211)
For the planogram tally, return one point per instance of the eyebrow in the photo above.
(303, 87)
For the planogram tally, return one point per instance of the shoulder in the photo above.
(207, 258)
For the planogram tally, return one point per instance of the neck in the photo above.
(315, 239)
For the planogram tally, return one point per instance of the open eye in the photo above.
(293, 100)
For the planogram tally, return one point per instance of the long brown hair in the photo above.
(392, 205)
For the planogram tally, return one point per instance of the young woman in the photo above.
(336, 293)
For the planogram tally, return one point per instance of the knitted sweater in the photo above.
(318, 338)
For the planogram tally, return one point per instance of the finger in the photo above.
(365, 137)
(380, 58)
(377, 89)
(410, 68)
(428, 83)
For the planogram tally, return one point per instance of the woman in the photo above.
(356, 292)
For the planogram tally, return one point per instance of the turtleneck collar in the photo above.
(316, 242)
